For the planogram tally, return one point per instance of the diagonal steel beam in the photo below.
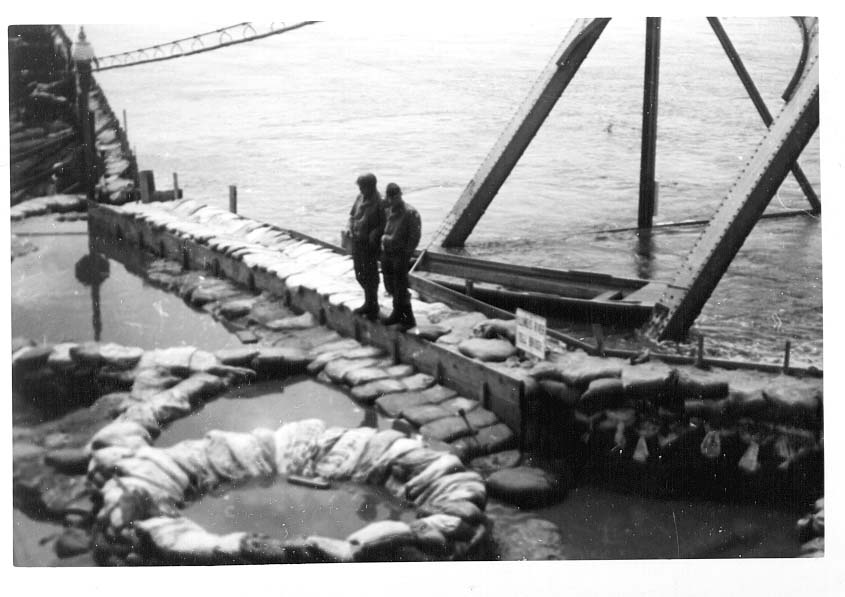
(490, 177)
(762, 109)
(739, 211)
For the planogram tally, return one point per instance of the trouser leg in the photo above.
(366, 273)
(387, 274)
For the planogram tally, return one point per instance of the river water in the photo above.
(293, 119)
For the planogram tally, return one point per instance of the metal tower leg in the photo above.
(757, 99)
(745, 202)
(531, 114)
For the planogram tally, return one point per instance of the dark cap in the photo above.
(392, 189)
(367, 180)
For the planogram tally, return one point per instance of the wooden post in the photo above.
(175, 186)
(649, 135)
(699, 355)
(233, 199)
(786, 350)
(598, 333)
(148, 185)
(469, 285)
(125, 126)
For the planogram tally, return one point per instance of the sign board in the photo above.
(531, 333)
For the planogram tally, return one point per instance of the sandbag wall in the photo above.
(98, 470)
(671, 431)
(305, 274)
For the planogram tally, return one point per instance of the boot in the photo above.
(407, 318)
(394, 318)
(370, 308)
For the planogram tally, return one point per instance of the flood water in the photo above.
(421, 104)
(596, 523)
(287, 511)
(50, 303)
(271, 404)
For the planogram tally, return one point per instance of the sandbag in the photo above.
(496, 328)
(237, 457)
(451, 527)
(459, 403)
(379, 469)
(192, 458)
(379, 537)
(700, 386)
(150, 381)
(299, 322)
(444, 464)
(560, 392)
(377, 390)
(437, 394)
(342, 460)
(793, 405)
(418, 382)
(60, 358)
(486, 441)
(487, 349)
(446, 430)
(376, 447)
(601, 394)
(322, 446)
(524, 486)
(120, 433)
(296, 444)
(182, 540)
(425, 413)
(236, 357)
(120, 357)
(365, 375)
(337, 369)
(279, 361)
(466, 485)
(170, 405)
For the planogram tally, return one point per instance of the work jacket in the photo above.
(366, 221)
(402, 231)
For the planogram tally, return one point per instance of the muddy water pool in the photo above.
(287, 511)
(271, 404)
(50, 304)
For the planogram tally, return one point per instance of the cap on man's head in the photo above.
(367, 180)
(392, 189)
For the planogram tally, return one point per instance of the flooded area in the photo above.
(271, 404)
(597, 523)
(285, 511)
(51, 304)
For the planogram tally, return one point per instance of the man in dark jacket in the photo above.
(366, 225)
(401, 236)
